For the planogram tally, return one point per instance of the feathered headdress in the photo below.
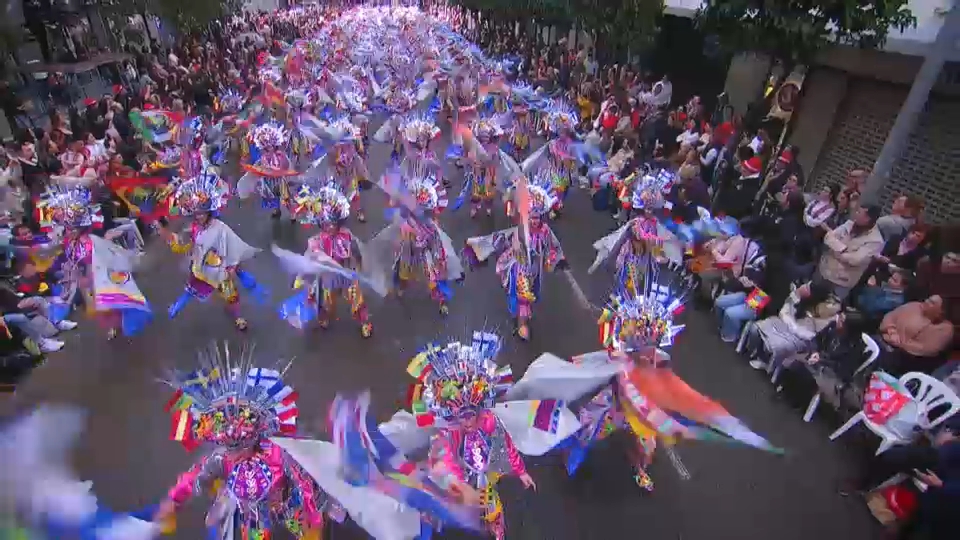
(229, 102)
(68, 207)
(543, 195)
(269, 135)
(229, 402)
(325, 204)
(560, 116)
(428, 192)
(456, 379)
(486, 128)
(631, 323)
(206, 192)
(419, 128)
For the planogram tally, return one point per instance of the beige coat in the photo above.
(846, 257)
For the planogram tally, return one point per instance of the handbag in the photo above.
(757, 300)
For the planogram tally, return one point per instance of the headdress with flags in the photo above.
(455, 379)
(320, 205)
(206, 192)
(560, 116)
(428, 192)
(68, 207)
(649, 190)
(269, 135)
(230, 402)
(632, 323)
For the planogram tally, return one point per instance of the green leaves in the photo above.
(795, 30)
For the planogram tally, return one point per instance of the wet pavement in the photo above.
(735, 492)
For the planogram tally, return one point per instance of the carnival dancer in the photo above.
(632, 383)
(327, 208)
(343, 163)
(237, 407)
(412, 135)
(269, 167)
(216, 252)
(414, 246)
(524, 252)
(559, 154)
(521, 127)
(93, 271)
(641, 239)
(487, 168)
(471, 438)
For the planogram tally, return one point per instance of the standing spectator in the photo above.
(905, 212)
(849, 249)
(819, 210)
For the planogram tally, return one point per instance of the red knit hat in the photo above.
(89, 102)
(786, 156)
(751, 166)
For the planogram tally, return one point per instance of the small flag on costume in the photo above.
(417, 367)
(181, 430)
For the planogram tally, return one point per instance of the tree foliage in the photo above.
(621, 23)
(184, 14)
(793, 31)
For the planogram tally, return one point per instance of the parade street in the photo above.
(734, 492)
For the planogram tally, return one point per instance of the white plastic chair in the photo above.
(930, 393)
(874, 351)
(742, 342)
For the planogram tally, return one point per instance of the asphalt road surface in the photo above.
(735, 492)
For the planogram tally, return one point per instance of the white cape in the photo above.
(380, 515)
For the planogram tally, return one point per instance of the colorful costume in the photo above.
(215, 251)
(415, 244)
(269, 169)
(344, 164)
(524, 252)
(329, 209)
(483, 165)
(522, 125)
(641, 239)
(237, 407)
(557, 156)
(631, 382)
(93, 271)
(471, 441)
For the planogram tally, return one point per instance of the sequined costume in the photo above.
(521, 128)
(327, 208)
(482, 166)
(558, 156)
(256, 487)
(215, 251)
(524, 252)
(269, 171)
(344, 163)
(631, 382)
(641, 240)
(92, 271)
(424, 252)
(470, 441)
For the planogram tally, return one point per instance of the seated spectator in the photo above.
(913, 336)
(31, 316)
(739, 201)
(941, 279)
(839, 348)
(904, 213)
(937, 465)
(881, 297)
(848, 250)
(727, 255)
(819, 210)
(732, 305)
(779, 339)
(903, 250)
(855, 181)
